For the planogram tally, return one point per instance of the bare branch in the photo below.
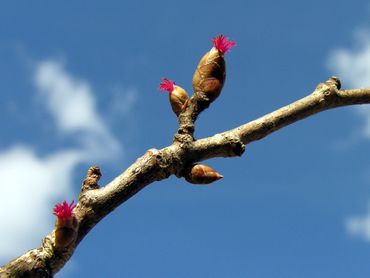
(96, 202)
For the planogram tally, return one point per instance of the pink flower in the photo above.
(223, 44)
(166, 85)
(64, 210)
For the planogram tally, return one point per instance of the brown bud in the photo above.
(202, 174)
(177, 95)
(178, 99)
(65, 232)
(209, 77)
(66, 225)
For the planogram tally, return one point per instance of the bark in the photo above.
(96, 202)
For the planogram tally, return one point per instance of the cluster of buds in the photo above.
(177, 95)
(208, 80)
(66, 224)
(209, 77)
(202, 174)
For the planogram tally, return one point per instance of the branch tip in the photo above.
(92, 177)
(94, 171)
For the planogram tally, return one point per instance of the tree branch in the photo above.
(96, 202)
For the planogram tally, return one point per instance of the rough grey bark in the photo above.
(96, 202)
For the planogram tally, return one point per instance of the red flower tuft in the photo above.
(64, 210)
(166, 85)
(223, 44)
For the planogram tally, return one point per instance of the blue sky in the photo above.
(79, 86)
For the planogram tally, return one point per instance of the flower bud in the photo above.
(66, 225)
(177, 95)
(202, 174)
(209, 77)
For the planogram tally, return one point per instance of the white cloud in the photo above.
(123, 101)
(353, 68)
(69, 100)
(72, 104)
(359, 225)
(31, 183)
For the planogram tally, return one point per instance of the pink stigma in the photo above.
(166, 85)
(223, 44)
(64, 210)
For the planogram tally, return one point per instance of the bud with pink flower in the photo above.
(177, 95)
(66, 225)
(209, 77)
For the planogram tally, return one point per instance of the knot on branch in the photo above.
(334, 82)
(92, 177)
(328, 90)
(235, 146)
(182, 137)
(238, 147)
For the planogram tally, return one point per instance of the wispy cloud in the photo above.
(32, 183)
(123, 101)
(353, 65)
(359, 225)
(68, 99)
(72, 104)
(353, 68)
